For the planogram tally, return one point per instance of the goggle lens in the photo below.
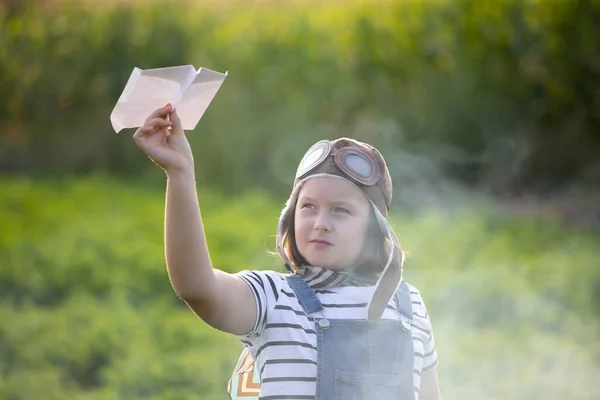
(313, 157)
(358, 164)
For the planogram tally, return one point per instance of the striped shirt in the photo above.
(283, 341)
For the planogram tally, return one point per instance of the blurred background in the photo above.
(487, 112)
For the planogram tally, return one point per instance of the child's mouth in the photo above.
(319, 242)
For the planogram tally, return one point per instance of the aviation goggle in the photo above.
(358, 164)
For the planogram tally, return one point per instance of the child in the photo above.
(343, 324)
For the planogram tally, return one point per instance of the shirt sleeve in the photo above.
(430, 359)
(265, 286)
(423, 324)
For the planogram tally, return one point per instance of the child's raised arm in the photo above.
(222, 300)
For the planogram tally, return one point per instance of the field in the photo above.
(88, 311)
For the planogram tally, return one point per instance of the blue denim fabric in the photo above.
(361, 359)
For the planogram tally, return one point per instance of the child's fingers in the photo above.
(177, 126)
(152, 125)
(161, 112)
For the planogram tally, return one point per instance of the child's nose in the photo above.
(323, 221)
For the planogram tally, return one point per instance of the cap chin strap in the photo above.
(394, 244)
(382, 222)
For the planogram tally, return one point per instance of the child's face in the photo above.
(331, 222)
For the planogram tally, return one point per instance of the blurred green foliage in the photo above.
(86, 304)
(88, 313)
(500, 93)
(503, 94)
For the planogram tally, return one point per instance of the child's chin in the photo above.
(324, 262)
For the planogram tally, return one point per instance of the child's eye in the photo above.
(342, 210)
(307, 205)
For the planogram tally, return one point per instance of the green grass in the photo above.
(88, 312)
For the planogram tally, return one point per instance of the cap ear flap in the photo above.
(391, 274)
(381, 221)
(287, 250)
(283, 231)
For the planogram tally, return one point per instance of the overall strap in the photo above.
(403, 301)
(307, 298)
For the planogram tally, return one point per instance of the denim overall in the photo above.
(361, 359)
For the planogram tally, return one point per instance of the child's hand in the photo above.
(169, 149)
